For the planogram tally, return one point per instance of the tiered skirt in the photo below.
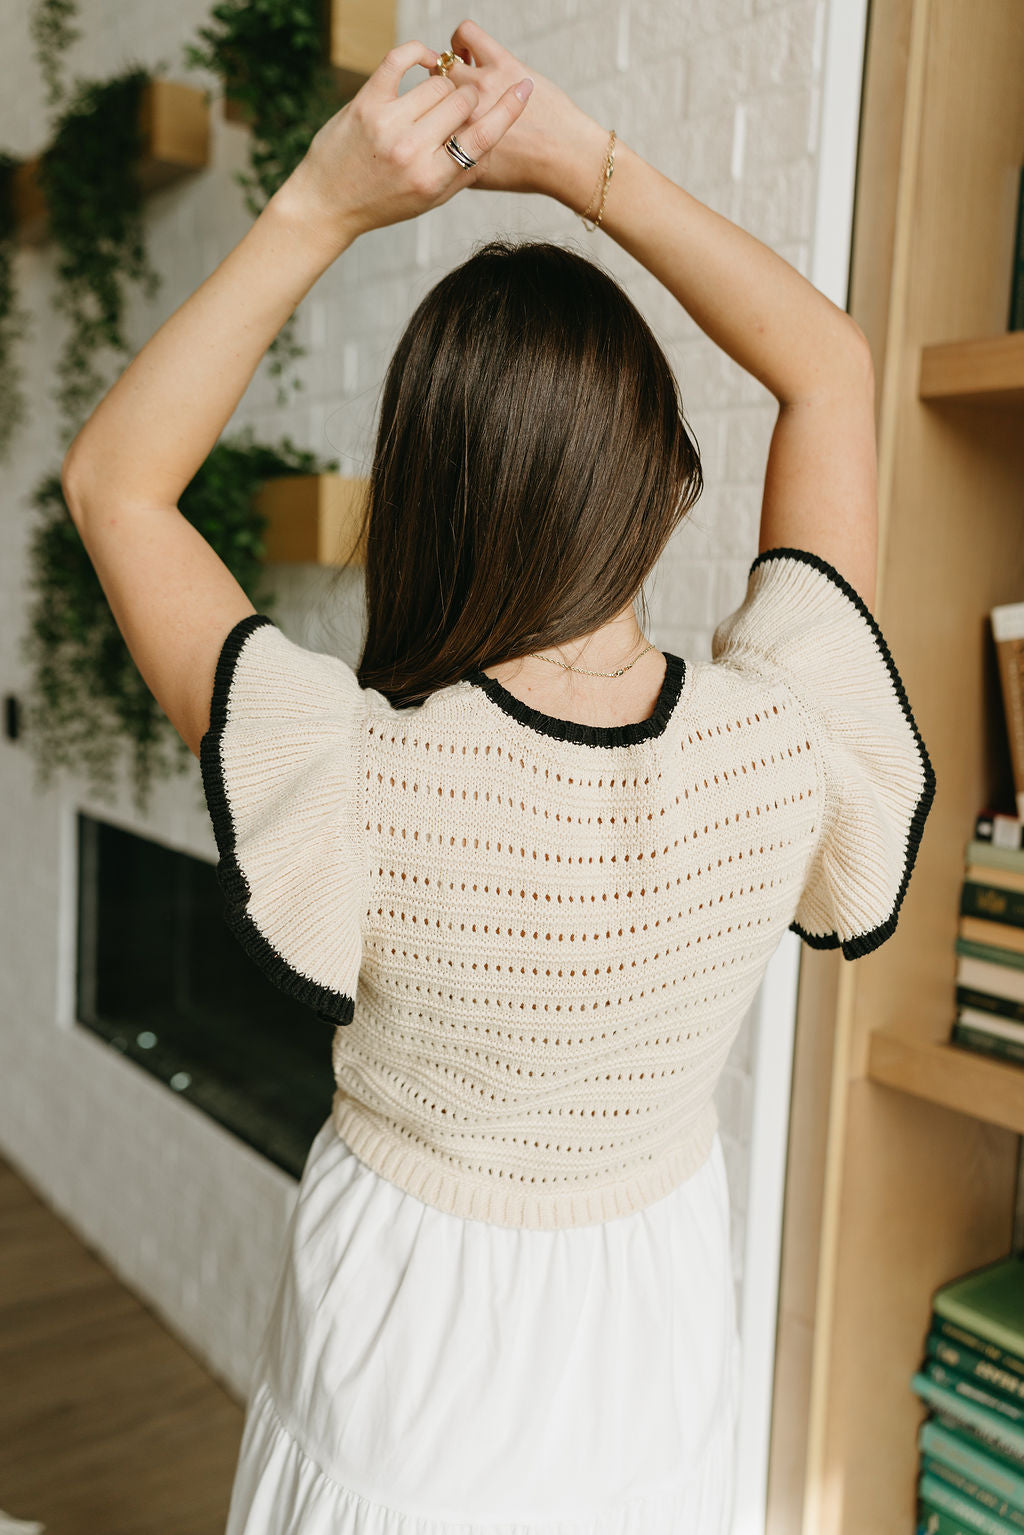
(421, 1374)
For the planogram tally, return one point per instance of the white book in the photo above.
(995, 980)
(991, 1023)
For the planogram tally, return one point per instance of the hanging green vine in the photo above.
(51, 24)
(89, 177)
(271, 56)
(86, 693)
(15, 320)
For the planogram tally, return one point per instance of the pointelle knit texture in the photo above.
(537, 940)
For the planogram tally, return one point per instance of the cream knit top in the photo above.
(537, 940)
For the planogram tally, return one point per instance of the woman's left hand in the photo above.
(381, 158)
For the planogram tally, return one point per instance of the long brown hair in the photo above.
(532, 460)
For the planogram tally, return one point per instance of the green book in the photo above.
(938, 1495)
(933, 1521)
(983, 1042)
(992, 903)
(974, 1391)
(988, 1300)
(936, 1521)
(978, 1345)
(995, 956)
(958, 1450)
(985, 1002)
(972, 1364)
(990, 1426)
(976, 1492)
(1011, 858)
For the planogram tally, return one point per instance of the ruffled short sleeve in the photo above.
(281, 765)
(802, 623)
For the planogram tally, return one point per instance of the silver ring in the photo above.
(457, 153)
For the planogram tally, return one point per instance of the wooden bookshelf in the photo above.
(360, 32)
(904, 1149)
(175, 124)
(987, 369)
(314, 519)
(943, 1073)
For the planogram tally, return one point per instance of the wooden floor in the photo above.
(108, 1425)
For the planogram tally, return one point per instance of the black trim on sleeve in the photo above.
(332, 1006)
(864, 943)
(589, 735)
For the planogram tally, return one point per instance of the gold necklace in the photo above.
(582, 669)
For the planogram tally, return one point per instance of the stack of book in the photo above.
(971, 1475)
(990, 941)
(990, 935)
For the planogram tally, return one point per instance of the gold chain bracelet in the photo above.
(602, 186)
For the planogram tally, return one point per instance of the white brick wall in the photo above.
(722, 95)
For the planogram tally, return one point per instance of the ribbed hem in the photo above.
(415, 1170)
(864, 943)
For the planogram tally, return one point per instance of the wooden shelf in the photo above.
(175, 124)
(988, 370)
(359, 35)
(314, 519)
(946, 1074)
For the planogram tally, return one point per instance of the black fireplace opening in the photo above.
(161, 977)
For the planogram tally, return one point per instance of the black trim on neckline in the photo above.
(332, 1006)
(864, 943)
(589, 735)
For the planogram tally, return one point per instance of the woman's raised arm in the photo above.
(378, 160)
(821, 474)
(820, 489)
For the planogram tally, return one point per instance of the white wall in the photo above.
(724, 96)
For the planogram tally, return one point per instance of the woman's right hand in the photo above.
(554, 148)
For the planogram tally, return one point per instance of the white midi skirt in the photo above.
(422, 1374)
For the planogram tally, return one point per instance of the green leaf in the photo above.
(87, 698)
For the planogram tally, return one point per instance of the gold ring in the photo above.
(446, 60)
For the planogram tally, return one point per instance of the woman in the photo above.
(530, 867)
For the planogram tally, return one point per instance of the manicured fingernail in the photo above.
(524, 88)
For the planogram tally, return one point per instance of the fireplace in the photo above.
(162, 979)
